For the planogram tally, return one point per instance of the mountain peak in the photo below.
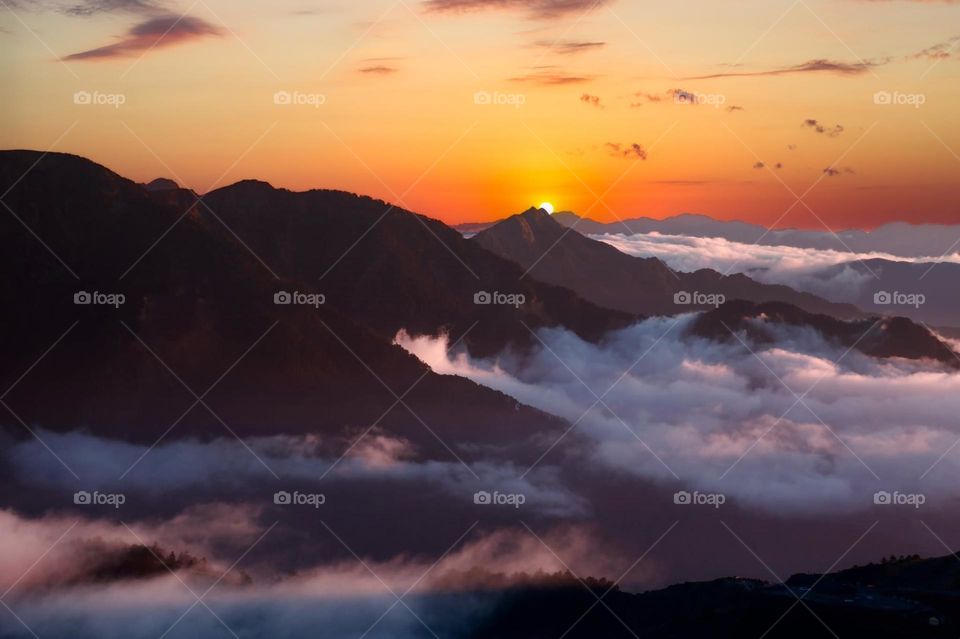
(161, 184)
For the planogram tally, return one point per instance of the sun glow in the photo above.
(546, 206)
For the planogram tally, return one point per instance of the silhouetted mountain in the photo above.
(204, 305)
(390, 269)
(907, 597)
(888, 337)
(903, 282)
(602, 274)
(161, 184)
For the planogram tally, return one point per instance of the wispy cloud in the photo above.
(820, 65)
(569, 47)
(379, 70)
(536, 9)
(939, 51)
(160, 32)
(832, 171)
(551, 76)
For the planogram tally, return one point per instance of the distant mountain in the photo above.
(204, 305)
(897, 238)
(890, 337)
(895, 288)
(602, 274)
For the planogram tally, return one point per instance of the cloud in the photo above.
(154, 33)
(759, 165)
(830, 132)
(645, 98)
(810, 66)
(85, 8)
(632, 150)
(346, 596)
(551, 76)
(798, 268)
(940, 51)
(379, 70)
(699, 409)
(592, 100)
(831, 171)
(569, 47)
(535, 9)
(222, 467)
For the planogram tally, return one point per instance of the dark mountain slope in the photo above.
(199, 301)
(391, 269)
(602, 274)
(890, 337)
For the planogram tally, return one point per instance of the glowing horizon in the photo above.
(838, 115)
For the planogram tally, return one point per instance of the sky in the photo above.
(821, 114)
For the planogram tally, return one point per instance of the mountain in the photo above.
(904, 283)
(875, 336)
(602, 274)
(391, 269)
(905, 597)
(161, 184)
(204, 307)
(897, 238)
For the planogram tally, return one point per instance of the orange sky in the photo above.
(835, 113)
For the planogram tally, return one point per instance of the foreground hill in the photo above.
(204, 307)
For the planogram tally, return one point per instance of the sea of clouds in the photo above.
(799, 268)
(797, 426)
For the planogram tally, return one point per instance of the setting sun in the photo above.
(546, 206)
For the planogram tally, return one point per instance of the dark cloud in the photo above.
(592, 100)
(569, 47)
(537, 9)
(810, 66)
(778, 165)
(759, 165)
(829, 131)
(163, 31)
(633, 150)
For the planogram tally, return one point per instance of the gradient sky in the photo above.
(593, 117)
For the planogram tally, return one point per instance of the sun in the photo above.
(546, 206)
